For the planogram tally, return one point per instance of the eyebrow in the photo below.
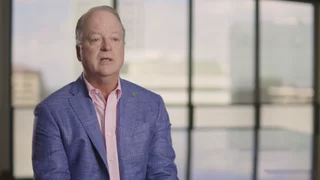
(95, 32)
(115, 32)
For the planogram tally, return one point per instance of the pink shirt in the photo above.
(107, 117)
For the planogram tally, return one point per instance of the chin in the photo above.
(108, 74)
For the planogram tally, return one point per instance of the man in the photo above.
(101, 126)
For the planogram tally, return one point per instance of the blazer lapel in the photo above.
(84, 108)
(128, 108)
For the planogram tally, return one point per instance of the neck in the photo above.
(105, 84)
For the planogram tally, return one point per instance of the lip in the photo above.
(106, 59)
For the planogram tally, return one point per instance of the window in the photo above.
(286, 52)
(44, 45)
(286, 88)
(223, 51)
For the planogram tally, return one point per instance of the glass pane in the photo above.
(222, 143)
(179, 141)
(156, 46)
(229, 156)
(224, 117)
(285, 142)
(44, 60)
(223, 51)
(178, 116)
(22, 129)
(286, 51)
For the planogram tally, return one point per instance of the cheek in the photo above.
(90, 54)
(89, 58)
(121, 52)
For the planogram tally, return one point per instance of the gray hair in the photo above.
(80, 23)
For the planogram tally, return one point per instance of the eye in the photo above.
(94, 40)
(115, 39)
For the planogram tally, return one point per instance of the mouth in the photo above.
(106, 59)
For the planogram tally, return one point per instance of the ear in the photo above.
(78, 49)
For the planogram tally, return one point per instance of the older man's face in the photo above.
(102, 47)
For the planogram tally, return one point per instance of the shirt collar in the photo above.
(91, 89)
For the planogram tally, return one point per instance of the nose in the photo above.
(106, 45)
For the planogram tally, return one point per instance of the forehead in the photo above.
(101, 20)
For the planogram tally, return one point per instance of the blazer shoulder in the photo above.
(139, 90)
(58, 97)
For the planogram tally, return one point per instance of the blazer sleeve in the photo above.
(49, 159)
(161, 164)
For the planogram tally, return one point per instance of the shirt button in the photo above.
(97, 91)
(109, 134)
(110, 159)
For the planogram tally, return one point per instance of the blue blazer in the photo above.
(68, 144)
